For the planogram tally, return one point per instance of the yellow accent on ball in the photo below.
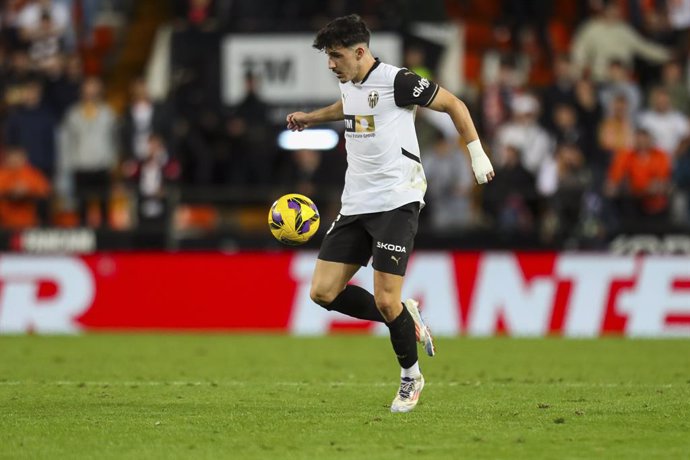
(293, 219)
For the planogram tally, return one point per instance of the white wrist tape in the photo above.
(475, 149)
(481, 165)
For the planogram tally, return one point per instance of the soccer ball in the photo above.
(293, 219)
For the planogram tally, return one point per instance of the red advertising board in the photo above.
(519, 294)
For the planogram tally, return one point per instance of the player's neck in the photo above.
(368, 62)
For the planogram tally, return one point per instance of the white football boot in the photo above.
(422, 330)
(408, 394)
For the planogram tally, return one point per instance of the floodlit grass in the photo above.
(215, 396)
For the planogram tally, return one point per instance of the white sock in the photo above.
(412, 372)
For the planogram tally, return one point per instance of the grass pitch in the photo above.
(191, 396)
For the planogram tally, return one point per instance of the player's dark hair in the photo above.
(344, 31)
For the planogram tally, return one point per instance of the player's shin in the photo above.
(404, 340)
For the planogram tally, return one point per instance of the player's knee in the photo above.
(322, 297)
(388, 306)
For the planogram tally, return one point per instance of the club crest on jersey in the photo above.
(373, 98)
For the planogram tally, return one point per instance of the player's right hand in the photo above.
(297, 121)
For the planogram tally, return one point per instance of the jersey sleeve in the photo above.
(411, 89)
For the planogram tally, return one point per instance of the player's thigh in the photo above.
(329, 279)
(347, 242)
(393, 234)
(387, 293)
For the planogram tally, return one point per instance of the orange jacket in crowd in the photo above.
(19, 188)
(640, 171)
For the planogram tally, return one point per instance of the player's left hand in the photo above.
(481, 165)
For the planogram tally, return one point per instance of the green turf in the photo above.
(167, 396)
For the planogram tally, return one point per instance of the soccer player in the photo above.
(384, 189)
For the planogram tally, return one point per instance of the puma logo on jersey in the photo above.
(396, 259)
(391, 247)
(421, 86)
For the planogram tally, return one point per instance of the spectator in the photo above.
(530, 63)
(524, 133)
(672, 81)
(564, 180)
(46, 26)
(195, 74)
(143, 117)
(537, 56)
(196, 13)
(4, 63)
(151, 173)
(616, 131)
(21, 187)
(33, 127)
(305, 179)
(91, 10)
(252, 150)
(654, 21)
(64, 78)
(528, 14)
(561, 90)
(639, 179)
(681, 181)
(10, 11)
(416, 61)
(589, 111)
(21, 72)
(498, 95)
(450, 185)
(669, 128)
(606, 37)
(89, 151)
(620, 82)
(511, 203)
(566, 128)
(569, 130)
(678, 12)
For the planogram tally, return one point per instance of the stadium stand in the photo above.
(221, 166)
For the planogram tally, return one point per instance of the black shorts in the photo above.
(387, 236)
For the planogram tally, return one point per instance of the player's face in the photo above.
(343, 62)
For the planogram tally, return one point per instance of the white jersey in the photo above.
(384, 169)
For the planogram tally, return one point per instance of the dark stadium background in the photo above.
(222, 164)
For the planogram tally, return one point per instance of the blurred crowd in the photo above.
(58, 134)
(586, 140)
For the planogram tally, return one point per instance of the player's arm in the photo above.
(457, 110)
(411, 89)
(297, 121)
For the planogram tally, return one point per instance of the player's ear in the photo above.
(359, 52)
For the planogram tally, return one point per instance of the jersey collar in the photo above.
(375, 65)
